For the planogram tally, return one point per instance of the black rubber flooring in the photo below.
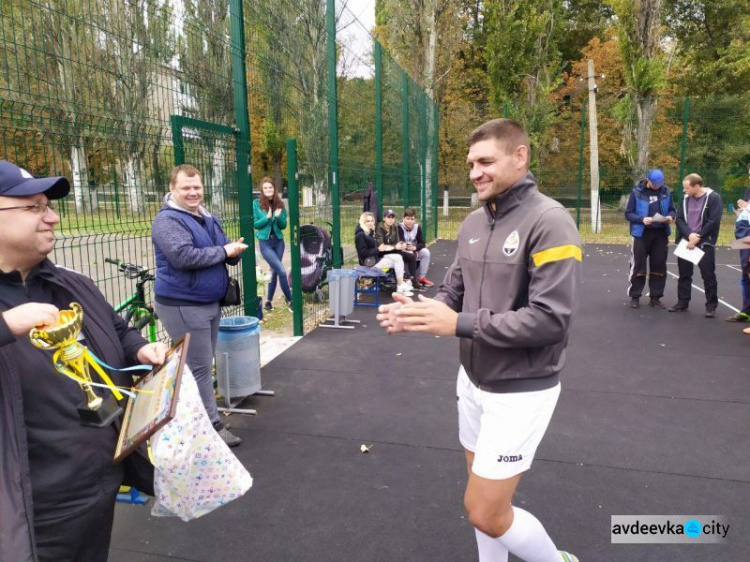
(653, 420)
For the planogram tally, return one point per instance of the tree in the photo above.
(204, 53)
(140, 45)
(523, 60)
(713, 42)
(421, 34)
(639, 33)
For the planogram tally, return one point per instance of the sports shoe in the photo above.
(228, 437)
(739, 317)
(426, 282)
(635, 302)
(656, 303)
(710, 313)
(681, 306)
(268, 306)
(404, 289)
(568, 557)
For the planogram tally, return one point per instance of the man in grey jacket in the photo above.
(509, 296)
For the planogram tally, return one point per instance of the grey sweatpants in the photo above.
(202, 321)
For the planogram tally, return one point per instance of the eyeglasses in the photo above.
(36, 208)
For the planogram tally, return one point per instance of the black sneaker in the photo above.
(710, 313)
(656, 303)
(681, 306)
(635, 302)
(268, 307)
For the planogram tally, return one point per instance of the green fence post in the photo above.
(242, 148)
(683, 149)
(179, 148)
(505, 110)
(293, 181)
(436, 166)
(117, 193)
(580, 164)
(405, 136)
(333, 129)
(423, 153)
(379, 126)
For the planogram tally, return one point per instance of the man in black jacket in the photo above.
(57, 481)
(698, 222)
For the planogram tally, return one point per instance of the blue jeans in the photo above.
(272, 251)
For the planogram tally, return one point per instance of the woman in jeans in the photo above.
(269, 219)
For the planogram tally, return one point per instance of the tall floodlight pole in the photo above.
(596, 216)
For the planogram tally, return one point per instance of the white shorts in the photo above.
(502, 430)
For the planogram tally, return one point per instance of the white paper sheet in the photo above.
(695, 255)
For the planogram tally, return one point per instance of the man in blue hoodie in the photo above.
(192, 253)
(651, 197)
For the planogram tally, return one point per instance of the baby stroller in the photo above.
(316, 259)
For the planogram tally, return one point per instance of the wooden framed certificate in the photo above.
(154, 403)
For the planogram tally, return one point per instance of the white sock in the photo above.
(528, 540)
(490, 549)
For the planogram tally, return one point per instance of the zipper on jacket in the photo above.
(481, 284)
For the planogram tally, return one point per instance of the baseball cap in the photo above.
(390, 213)
(656, 177)
(17, 182)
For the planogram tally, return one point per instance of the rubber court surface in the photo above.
(653, 420)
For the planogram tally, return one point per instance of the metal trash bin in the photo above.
(238, 357)
(341, 283)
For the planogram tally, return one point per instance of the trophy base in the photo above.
(102, 416)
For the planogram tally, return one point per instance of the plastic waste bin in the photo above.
(341, 283)
(238, 356)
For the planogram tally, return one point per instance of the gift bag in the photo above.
(195, 472)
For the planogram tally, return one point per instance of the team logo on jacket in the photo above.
(510, 246)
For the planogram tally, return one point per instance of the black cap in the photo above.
(17, 182)
(390, 213)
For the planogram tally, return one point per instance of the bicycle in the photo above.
(139, 314)
(137, 311)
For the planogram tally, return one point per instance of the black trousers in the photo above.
(651, 248)
(410, 264)
(707, 266)
(78, 536)
(745, 280)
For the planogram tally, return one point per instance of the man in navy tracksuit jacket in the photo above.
(650, 238)
(698, 222)
(741, 230)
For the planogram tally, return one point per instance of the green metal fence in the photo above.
(114, 94)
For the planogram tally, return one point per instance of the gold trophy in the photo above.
(72, 360)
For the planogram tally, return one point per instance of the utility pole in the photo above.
(596, 215)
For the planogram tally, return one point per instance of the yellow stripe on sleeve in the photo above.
(557, 254)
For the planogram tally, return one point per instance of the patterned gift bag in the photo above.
(195, 472)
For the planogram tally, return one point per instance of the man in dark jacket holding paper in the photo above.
(698, 223)
(58, 483)
(650, 198)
